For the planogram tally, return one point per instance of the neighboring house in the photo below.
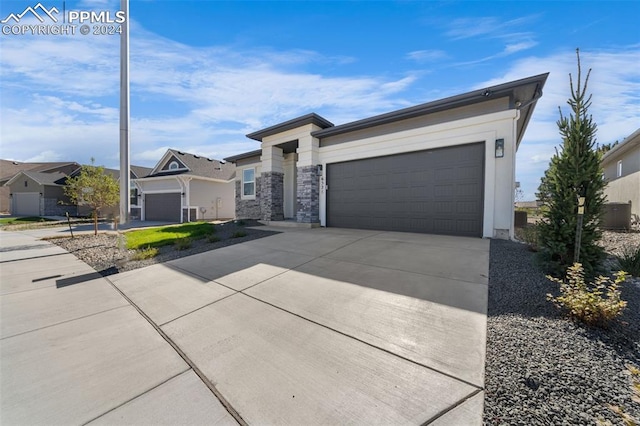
(136, 172)
(621, 167)
(184, 187)
(444, 167)
(39, 194)
(9, 169)
(39, 191)
(528, 204)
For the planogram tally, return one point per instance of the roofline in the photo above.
(235, 158)
(464, 99)
(311, 118)
(148, 178)
(626, 142)
(23, 172)
(162, 159)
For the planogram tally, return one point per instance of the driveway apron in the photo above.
(331, 326)
(309, 326)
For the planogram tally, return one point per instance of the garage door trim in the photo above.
(451, 200)
(164, 215)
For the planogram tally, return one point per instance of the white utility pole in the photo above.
(125, 202)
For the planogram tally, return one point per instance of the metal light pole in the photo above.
(125, 202)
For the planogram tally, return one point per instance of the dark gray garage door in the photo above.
(163, 207)
(438, 191)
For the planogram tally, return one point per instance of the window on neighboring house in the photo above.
(249, 183)
(26, 183)
(133, 196)
(173, 166)
(619, 169)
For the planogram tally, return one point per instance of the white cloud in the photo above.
(614, 84)
(427, 55)
(45, 156)
(493, 27)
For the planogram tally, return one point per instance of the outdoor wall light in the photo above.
(320, 169)
(499, 148)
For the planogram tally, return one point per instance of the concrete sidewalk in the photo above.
(73, 349)
(317, 326)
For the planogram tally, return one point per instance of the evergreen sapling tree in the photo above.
(573, 172)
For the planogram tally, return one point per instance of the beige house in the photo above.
(185, 187)
(622, 172)
(444, 167)
(39, 194)
(10, 169)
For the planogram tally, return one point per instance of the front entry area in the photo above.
(438, 191)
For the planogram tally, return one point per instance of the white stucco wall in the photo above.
(218, 199)
(499, 172)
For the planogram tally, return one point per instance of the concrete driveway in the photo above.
(319, 326)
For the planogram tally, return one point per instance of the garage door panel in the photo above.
(26, 204)
(435, 191)
(163, 207)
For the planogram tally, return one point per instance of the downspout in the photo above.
(513, 177)
(182, 195)
(188, 198)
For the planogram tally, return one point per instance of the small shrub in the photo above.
(530, 235)
(213, 238)
(592, 303)
(145, 253)
(239, 234)
(182, 243)
(629, 260)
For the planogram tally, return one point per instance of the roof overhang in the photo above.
(235, 158)
(39, 182)
(522, 94)
(312, 118)
(626, 145)
(183, 175)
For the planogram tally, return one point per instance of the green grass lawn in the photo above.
(166, 235)
(22, 220)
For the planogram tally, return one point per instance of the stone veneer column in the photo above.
(272, 185)
(308, 194)
(272, 196)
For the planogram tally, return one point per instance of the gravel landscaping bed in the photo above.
(106, 252)
(544, 369)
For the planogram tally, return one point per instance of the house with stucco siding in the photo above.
(444, 167)
(185, 187)
(621, 166)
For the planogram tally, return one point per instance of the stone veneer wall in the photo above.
(53, 208)
(308, 193)
(272, 197)
(248, 209)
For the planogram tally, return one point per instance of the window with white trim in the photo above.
(619, 169)
(249, 183)
(173, 165)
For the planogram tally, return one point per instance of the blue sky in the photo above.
(205, 73)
